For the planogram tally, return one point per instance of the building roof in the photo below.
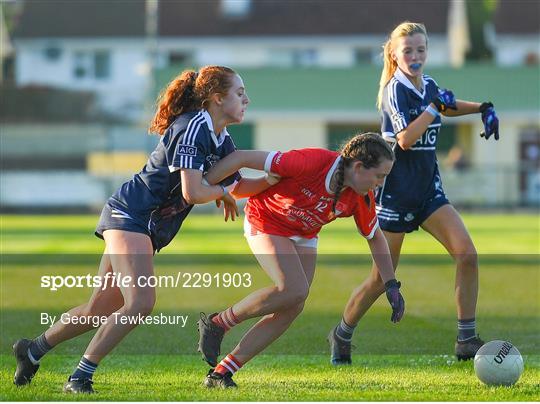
(517, 17)
(306, 17)
(205, 18)
(337, 91)
(81, 18)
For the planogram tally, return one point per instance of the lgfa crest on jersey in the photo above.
(340, 208)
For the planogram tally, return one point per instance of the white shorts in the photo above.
(298, 241)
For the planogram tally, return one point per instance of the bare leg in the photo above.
(446, 226)
(279, 259)
(101, 303)
(363, 297)
(131, 255)
(272, 326)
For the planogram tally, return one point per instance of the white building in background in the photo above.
(109, 47)
(515, 35)
(312, 67)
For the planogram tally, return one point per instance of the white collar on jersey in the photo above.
(330, 173)
(220, 138)
(400, 76)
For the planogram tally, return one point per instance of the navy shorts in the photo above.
(400, 220)
(160, 229)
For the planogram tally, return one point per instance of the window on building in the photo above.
(363, 56)
(235, 8)
(92, 64)
(52, 53)
(80, 65)
(102, 64)
(293, 57)
(305, 57)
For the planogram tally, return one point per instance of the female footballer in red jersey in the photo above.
(412, 196)
(281, 226)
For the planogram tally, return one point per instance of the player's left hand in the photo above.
(490, 121)
(396, 299)
(445, 100)
(230, 209)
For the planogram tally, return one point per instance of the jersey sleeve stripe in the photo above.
(392, 101)
(189, 127)
(372, 233)
(193, 129)
(268, 161)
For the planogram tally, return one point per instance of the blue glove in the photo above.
(490, 121)
(396, 300)
(444, 100)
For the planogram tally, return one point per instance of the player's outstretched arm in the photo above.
(381, 256)
(195, 190)
(247, 187)
(463, 108)
(234, 162)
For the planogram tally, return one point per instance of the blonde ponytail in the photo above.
(389, 68)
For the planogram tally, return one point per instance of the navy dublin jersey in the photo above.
(415, 175)
(188, 143)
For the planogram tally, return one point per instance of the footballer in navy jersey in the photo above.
(411, 105)
(192, 114)
(188, 143)
(415, 178)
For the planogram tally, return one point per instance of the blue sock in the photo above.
(344, 331)
(85, 369)
(38, 347)
(466, 329)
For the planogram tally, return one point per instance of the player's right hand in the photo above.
(396, 299)
(444, 100)
(230, 209)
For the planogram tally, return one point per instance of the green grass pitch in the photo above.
(411, 361)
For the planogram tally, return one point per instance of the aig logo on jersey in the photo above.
(186, 150)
